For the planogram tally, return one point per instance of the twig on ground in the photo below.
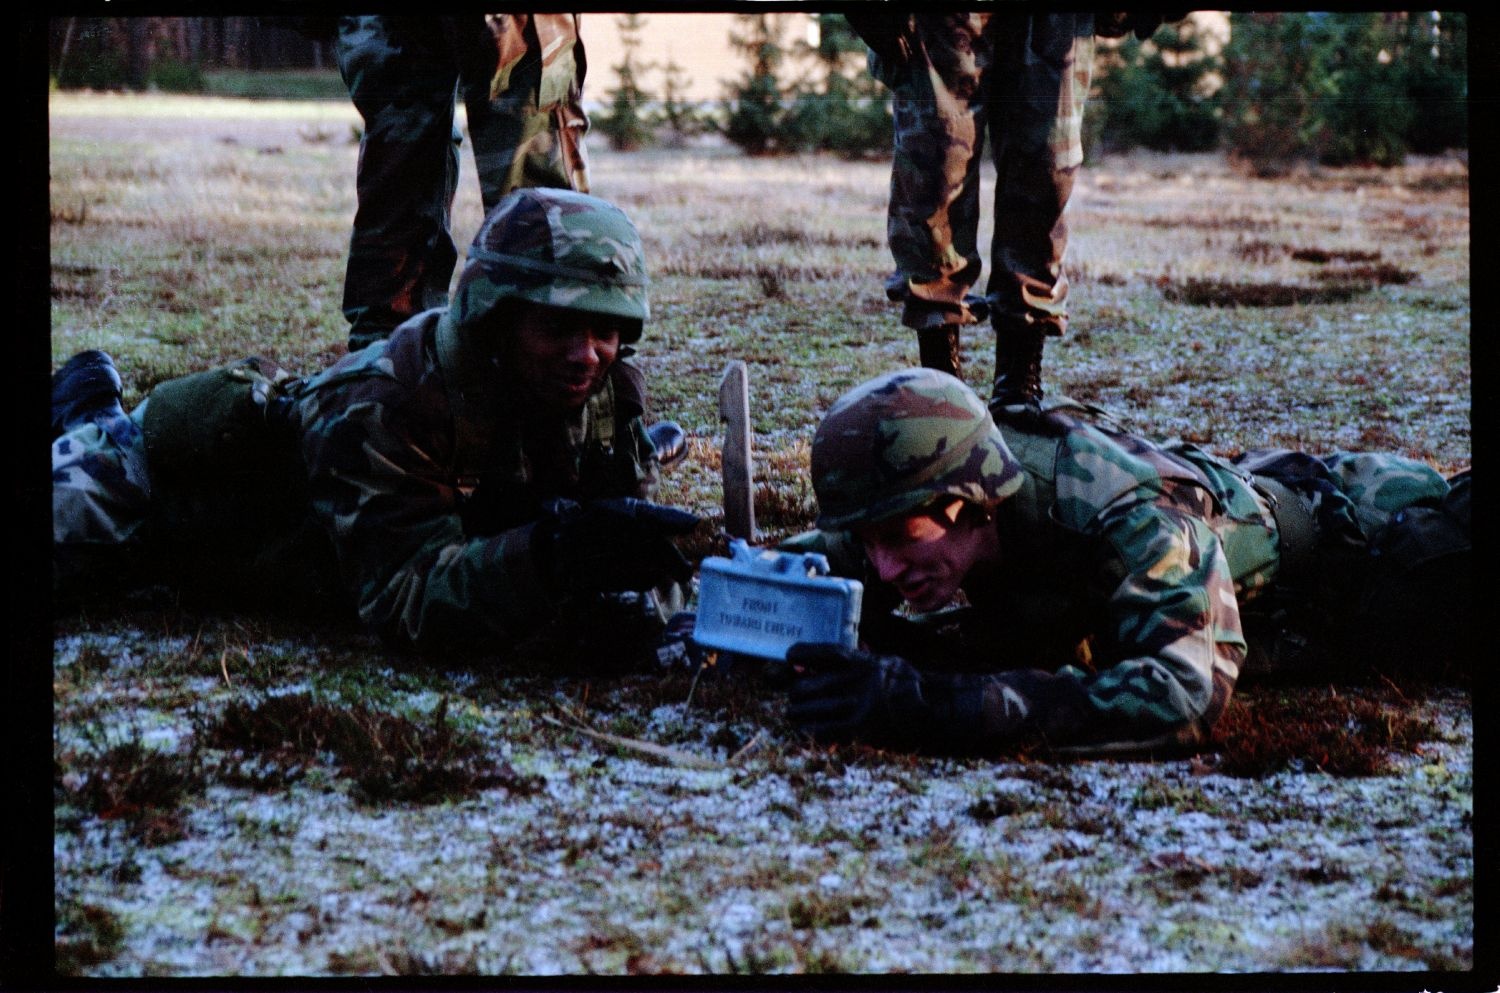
(672, 755)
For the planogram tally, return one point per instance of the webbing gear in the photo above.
(1296, 531)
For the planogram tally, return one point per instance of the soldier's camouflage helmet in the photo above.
(902, 441)
(549, 246)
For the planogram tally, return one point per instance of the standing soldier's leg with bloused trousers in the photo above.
(932, 225)
(521, 78)
(403, 78)
(1036, 91)
(523, 91)
(1022, 79)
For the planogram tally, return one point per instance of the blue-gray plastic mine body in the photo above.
(761, 602)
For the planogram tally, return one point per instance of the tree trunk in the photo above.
(138, 52)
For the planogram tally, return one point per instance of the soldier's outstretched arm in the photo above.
(411, 571)
(417, 576)
(379, 485)
(1172, 655)
(1170, 648)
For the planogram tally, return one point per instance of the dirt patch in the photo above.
(129, 782)
(389, 756)
(1348, 733)
(1320, 256)
(1224, 293)
(1367, 275)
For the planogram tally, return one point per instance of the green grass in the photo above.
(285, 84)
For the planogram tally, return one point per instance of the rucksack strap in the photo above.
(1296, 531)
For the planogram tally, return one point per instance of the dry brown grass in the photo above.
(1346, 732)
(390, 756)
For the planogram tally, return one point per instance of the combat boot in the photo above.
(1018, 365)
(87, 387)
(938, 348)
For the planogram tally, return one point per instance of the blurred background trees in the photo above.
(623, 123)
(1346, 87)
(754, 110)
(1161, 94)
(1328, 87)
(840, 108)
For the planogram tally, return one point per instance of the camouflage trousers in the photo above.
(101, 492)
(521, 79)
(1022, 81)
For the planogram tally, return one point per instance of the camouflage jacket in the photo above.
(558, 47)
(1116, 618)
(432, 530)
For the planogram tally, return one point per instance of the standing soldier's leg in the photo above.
(1038, 87)
(523, 90)
(403, 80)
(933, 218)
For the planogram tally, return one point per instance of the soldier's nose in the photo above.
(580, 351)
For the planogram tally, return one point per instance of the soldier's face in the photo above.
(562, 356)
(927, 555)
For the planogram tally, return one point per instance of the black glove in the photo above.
(617, 545)
(676, 648)
(841, 694)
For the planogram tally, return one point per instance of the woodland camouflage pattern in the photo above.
(434, 540)
(421, 481)
(1117, 620)
(546, 246)
(100, 486)
(521, 79)
(428, 539)
(559, 248)
(901, 441)
(1021, 80)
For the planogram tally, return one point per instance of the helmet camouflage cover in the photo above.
(547, 246)
(903, 440)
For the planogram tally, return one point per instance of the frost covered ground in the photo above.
(248, 796)
(738, 850)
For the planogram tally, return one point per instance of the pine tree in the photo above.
(1436, 47)
(1155, 93)
(1344, 87)
(755, 111)
(624, 125)
(677, 115)
(846, 111)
